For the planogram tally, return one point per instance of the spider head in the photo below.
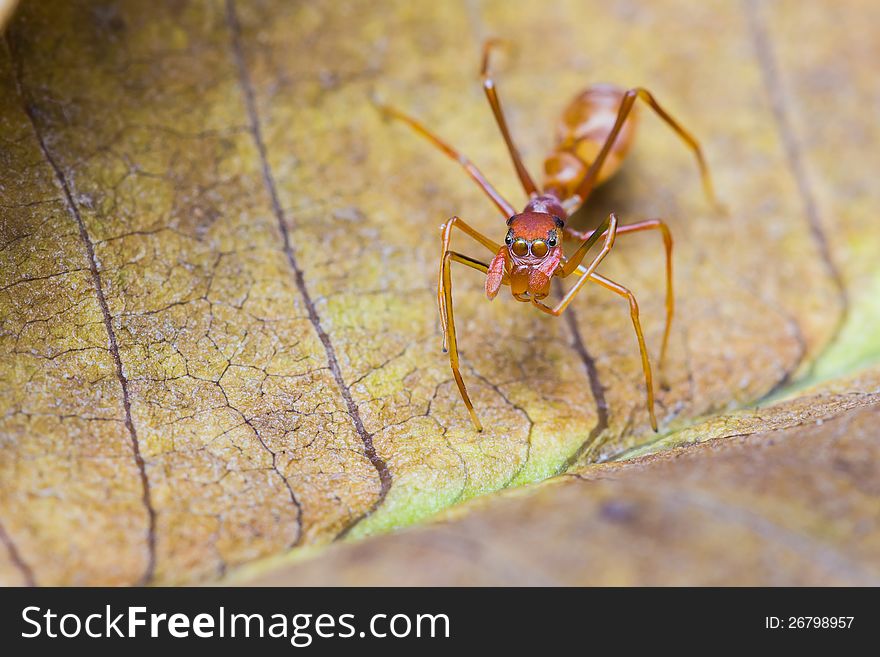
(533, 237)
(530, 256)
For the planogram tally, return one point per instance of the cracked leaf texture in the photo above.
(218, 335)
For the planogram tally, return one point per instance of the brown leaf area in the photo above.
(219, 338)
(787, 507)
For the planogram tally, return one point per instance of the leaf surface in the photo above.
(219, 338)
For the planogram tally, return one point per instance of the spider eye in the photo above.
(509, 239)
(539, 248)
(552, 241)
(520, 247)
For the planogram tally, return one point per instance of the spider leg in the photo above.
(495, 102)
(651, 224)
(626, 106)
(634, 314)
(446, 288)
(476, 175)
(608, 228)
(445, 238)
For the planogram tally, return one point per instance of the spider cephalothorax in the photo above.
(530, 256)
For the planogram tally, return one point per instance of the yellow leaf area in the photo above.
(219, 342)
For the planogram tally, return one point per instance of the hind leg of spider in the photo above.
(445, 238)
(651, 224)
(626, 106)
(446, 283)
(495, 103)
(476, 175)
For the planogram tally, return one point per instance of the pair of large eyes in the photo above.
(520, 247)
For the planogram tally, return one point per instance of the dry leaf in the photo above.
(218, 335)
(787, 507)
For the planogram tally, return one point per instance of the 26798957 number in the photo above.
(808, 622)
